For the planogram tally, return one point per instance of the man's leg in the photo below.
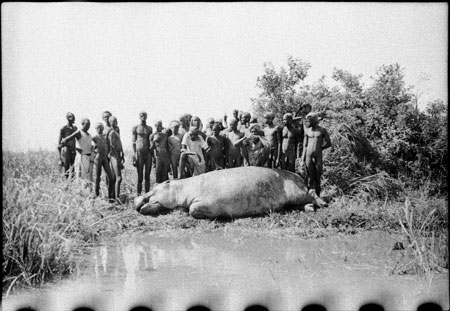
(140, 172)
(183, 165)
(174, 160)
(159, 168)
(97, 173)
(244, 156)
(147, 171)
(65, 155)
(319, 169)
(109, 176)
(230, 161)
(291, 160)
(311, 172)
(165, 162)
(118, 176)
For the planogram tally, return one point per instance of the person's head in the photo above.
(85, 124)
(143, 116)
(105, 116)
(219, 122)
(287, 119)
(245, 117)
(196, 122)
(236, 114)
(185, 120)
(216, 128)
(112, 121)
(158, 126)
(99, 128)
(70, 118)
(210, 123)
(306, 108)
(174, 126)
(268, 117)
(233, 124)
(193, 132)
(254, 129)
(311, 119)
(188, 118)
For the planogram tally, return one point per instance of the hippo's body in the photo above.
(236, 192)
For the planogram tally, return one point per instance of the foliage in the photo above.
(377, 132)
(279, 88)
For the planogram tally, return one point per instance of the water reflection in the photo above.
(277, 273)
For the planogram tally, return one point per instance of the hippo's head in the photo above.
(156, 202)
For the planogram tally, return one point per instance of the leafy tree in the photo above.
(279, 89)
(378, 133)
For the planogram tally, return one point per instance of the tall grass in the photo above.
(426, 237)
(48, 221)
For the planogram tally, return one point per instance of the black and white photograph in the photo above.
(248, 156)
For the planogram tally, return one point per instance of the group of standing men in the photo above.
(186, 149)
(84, 155)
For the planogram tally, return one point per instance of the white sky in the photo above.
(170, 58)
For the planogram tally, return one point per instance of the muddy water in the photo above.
(230, 271)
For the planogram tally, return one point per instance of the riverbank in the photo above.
(49, 222)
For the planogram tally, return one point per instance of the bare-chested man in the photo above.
(290, 139)
(140, 137)
(67, 151)
(209, 126)
(316, 140)
(244, 122)
(243, 127)
(272, 133)
(159, 147)
(217, 144)
(116, 156)
(175, 148)
(299, 120)
(225, 123)
(101, 160)
(105, 116)
(185, 123)
(234, 143)
(83, 145)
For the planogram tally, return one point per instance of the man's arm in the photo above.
(327, 139)
(205, 146)
(134, 138)
(60, 138)
(298, 141)
(152, 144)
(305, 144)
(60, 147)
(75, 134)
(279, 139)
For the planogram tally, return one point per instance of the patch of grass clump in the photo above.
(49, 222)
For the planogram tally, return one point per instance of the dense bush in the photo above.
(378, 133)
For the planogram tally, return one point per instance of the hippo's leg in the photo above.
(201, 210)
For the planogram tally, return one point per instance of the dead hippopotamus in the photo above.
(231, 193)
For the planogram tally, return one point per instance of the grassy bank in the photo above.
(48, 222)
